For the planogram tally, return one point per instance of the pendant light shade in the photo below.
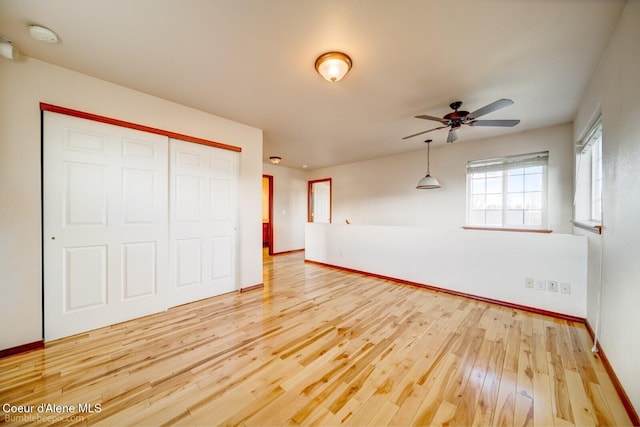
(428, 182)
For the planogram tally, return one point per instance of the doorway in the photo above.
(319, 201)
(267, 213)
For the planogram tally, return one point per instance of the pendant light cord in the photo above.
(428, 141)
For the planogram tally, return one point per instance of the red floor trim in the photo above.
(22, 348)
(461, 294)
(626, 402)
(251, 288)
(287, 252)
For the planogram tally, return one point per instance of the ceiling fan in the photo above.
(456, 119)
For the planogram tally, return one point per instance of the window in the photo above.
(596, 180)
(508, 192)
(588, 181)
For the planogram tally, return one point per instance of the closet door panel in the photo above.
(105, 224)
(133, 223)
(139, 267)
(203, 195)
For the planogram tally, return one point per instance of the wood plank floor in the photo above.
(322, 347)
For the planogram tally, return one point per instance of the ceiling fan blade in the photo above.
(420, 133)
(434, 118)
(489, 108)
(501, 123)
(453, 135)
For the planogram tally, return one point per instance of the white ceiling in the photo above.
(252, 61)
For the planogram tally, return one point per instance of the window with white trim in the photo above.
(588, 179)
(508, 192)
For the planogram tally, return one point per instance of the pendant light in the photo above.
(428, 182)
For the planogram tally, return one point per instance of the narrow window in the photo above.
(596, 180)
(588, 179)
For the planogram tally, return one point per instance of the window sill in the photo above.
(520, 230)
(594, 227)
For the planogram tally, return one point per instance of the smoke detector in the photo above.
(43, 34)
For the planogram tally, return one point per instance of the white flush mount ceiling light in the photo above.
(43, 34)
(333, 66)
(275, 159)
(7, 49)
(428, 182)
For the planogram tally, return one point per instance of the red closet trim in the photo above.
(122, 123)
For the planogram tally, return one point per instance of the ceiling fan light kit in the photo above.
(333, 66)
(452, 136)
(457, 118)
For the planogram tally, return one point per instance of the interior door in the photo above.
(267, 213)
(203, 216)
(104, 224)
(320, 201)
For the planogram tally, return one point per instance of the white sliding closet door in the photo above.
(203, 216)
(106, 248)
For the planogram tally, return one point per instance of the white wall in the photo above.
(405, 233)
(382, 191)
(289, 207)
(616, 93)
(490, 264)
(23, 85)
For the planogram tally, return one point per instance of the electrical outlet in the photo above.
(540, 284)
(565, 288)
(528, 282)
(552, 285)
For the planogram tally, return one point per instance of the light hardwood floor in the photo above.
(318, 346)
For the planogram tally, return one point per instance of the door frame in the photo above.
(310, 198)
(110, 121)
